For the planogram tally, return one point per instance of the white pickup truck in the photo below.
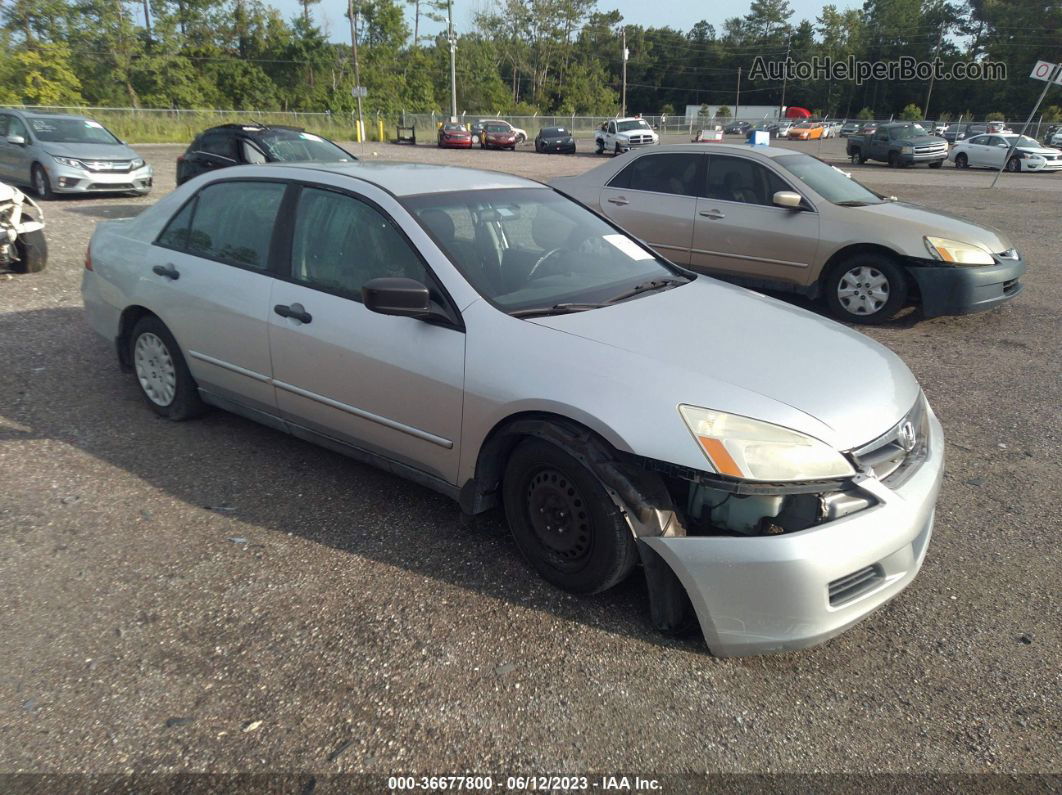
(621, 135)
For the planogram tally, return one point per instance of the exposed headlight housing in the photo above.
(70, 161)
(749, 449)
(957, 253)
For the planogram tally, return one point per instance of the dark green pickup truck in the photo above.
(899, 144)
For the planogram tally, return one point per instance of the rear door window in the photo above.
(231, 222)
(219, 144)
(674, 173)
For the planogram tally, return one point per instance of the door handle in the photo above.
(168, 271)
(715, 215)
(295, 312)
(619, 200)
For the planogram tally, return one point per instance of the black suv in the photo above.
(236, 144)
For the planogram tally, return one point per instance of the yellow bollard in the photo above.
(358, 137)
(380, 129)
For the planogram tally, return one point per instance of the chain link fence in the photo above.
(178, 125)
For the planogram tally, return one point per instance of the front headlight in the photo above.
(69, 161)
(906, 148)
(137, 163)
(753, 450)
(957, 253)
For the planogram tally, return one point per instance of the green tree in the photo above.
(41, 76)
(866, 114)
(911, 112)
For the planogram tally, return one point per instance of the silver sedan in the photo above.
(487, 337)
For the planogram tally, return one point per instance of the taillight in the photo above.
(88, 257)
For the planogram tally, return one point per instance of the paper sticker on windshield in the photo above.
(90, 123)
(628, 247)
(309, 136)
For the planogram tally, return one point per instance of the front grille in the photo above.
(109, 166)
(854, 585)
(930, 149)
(1010, 286)
(111, 186)
(640, 139)
(901, 447)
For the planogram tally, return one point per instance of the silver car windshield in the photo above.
(827, 181)
(627, 126)
(532, 248)
(70, 131)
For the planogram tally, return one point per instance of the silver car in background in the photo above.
(57, 153)
(489, 338)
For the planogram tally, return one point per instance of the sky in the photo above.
(679, 14)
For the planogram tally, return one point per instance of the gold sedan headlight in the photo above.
(957, 253)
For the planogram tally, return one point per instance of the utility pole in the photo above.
(623, 106)
(453, 59)
(785, 77)
(933, 74)
(737, 99)
(357, 75)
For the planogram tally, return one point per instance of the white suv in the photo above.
(621, 135)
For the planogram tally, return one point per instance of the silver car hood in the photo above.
(935, 222)
(708, 342)
(90, 151)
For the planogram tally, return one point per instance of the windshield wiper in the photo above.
(852, 203)
(638, 289)
(556, 309)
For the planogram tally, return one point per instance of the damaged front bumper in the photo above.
(951, 290)
(756, 594)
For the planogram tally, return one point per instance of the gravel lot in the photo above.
(215, 596)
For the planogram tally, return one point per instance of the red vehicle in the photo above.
(498, 136)
(455, 136)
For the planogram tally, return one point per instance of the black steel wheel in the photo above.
(563, 520)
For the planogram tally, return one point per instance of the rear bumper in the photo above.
(950, 290)
(773, 593)
(101, 310)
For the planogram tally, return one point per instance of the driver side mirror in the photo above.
(397, 295)
(789, 199)
(17, 140)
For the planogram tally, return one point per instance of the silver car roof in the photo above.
(409, 179)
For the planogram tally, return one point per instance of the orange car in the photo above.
(806, 131)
